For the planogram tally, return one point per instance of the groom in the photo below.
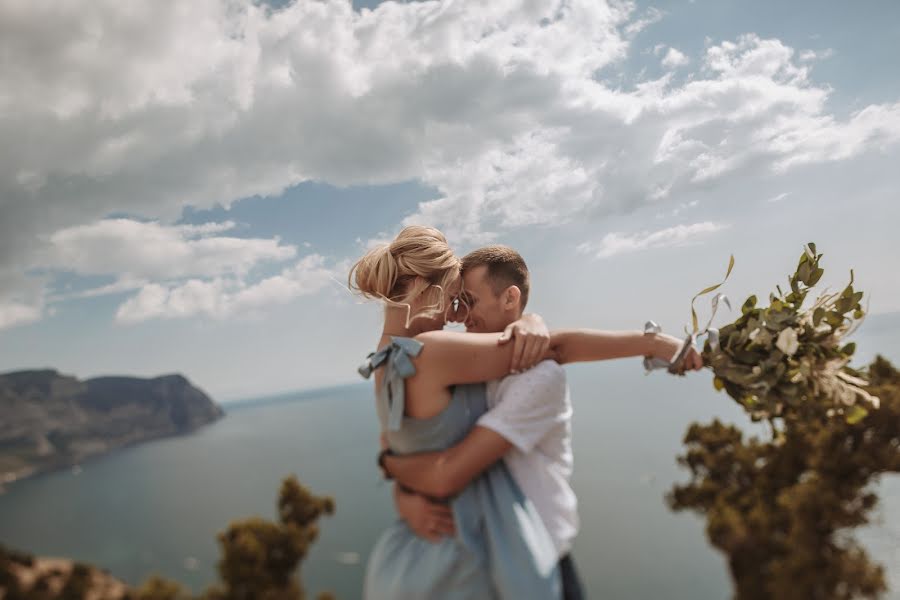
(528, 425)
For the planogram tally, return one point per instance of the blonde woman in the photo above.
(430, 393)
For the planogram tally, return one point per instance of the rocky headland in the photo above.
(23, 576)
(50, 421)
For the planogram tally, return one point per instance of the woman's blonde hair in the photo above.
(418, 261)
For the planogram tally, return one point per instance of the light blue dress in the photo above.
(502, 549)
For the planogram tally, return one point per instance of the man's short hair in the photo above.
(505, 267)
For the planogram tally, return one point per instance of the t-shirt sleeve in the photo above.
(529, 405)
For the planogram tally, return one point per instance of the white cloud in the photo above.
(616, 243)
(750, 111)
(779, 197)
(205, 229)
(135, 250)
(651, 15)
(809, 55)
(179, 269)
(22, 299)
(674, 58)
(16, 313)
(225, 297)
(144, 108)
(682, 206)
(527, 182)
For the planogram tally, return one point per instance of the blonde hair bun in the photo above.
(417, 260)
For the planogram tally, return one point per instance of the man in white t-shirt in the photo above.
(528, 425)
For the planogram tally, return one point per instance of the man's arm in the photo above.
(529, 405)
(443, 474)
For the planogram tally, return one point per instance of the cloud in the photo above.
(779, 197)
(145, 108)
(22, 299)
(226, 297)
(526, 182)
(674, 59)
(809, 55)
(750, 111)
(179, 269)
(15, 313)
(616, 243)
(511, 110)
(651, 15)
(135, 250)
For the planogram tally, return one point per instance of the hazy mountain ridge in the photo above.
(51, 420)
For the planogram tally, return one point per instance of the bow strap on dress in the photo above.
(397, 360)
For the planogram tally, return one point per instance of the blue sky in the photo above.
(189, 199)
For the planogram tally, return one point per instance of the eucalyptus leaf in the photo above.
(752, 367)
(855, 414)
(749, 305)
(816, 276)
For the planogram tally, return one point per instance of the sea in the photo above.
(156, 508)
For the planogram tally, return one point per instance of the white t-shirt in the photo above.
(532, 410)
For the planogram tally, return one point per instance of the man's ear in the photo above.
(511, 297)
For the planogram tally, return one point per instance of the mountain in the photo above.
(49, 420)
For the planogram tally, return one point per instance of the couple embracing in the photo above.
(476, 425)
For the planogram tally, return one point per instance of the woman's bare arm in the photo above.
(451, 358)
(587, 345)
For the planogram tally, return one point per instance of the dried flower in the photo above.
(811, 373)
(787, 341)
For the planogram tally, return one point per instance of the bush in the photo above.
(781, 509)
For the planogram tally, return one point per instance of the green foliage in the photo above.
(157, 588)
(780, 509)
(785, 360)
(259, 559)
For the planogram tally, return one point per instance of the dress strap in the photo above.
(397, 366)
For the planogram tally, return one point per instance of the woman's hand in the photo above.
(531, 338)
(427, 519)
(667, 347)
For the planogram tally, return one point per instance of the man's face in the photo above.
(487, 313)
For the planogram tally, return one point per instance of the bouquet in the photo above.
(787, 360)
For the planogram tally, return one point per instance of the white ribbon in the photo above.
(676, 365)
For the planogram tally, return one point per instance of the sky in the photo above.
(183, 186)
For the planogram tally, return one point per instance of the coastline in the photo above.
(10, 479)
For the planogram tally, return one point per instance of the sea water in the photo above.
(157, 507)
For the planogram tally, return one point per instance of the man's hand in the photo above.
(667, 347)
(427, 519)
(531, 338)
